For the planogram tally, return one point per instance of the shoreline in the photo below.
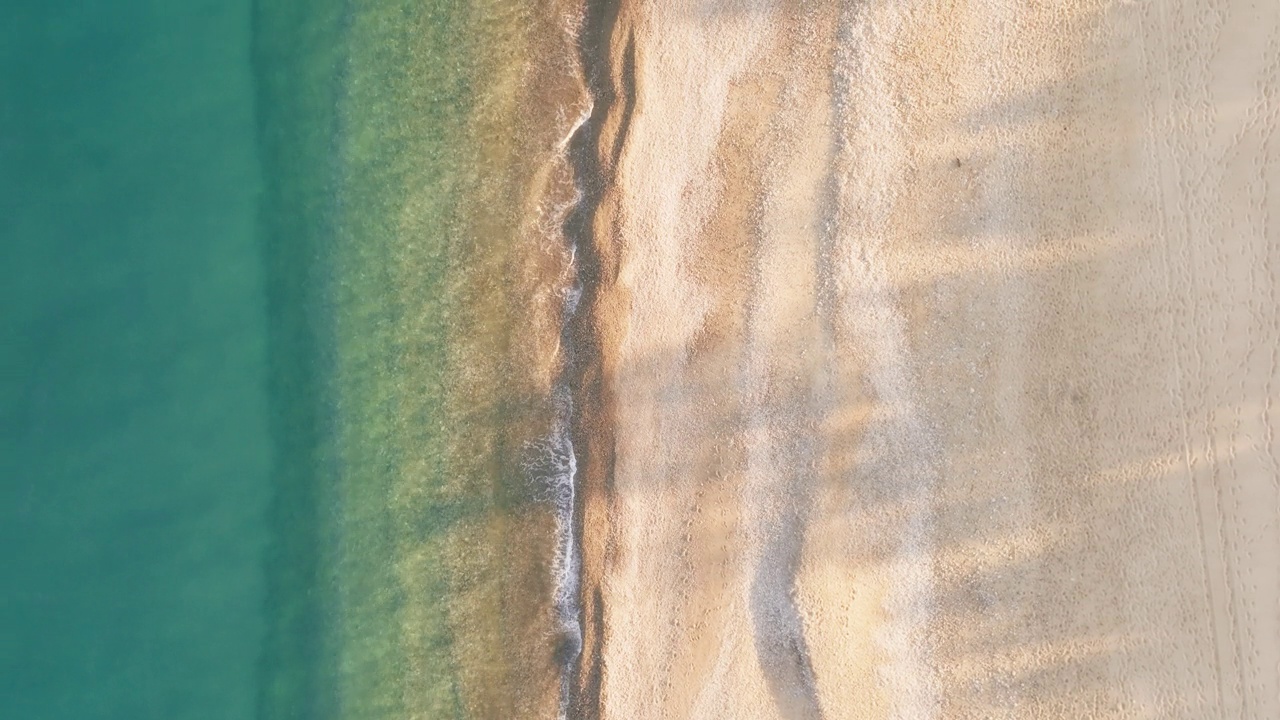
(880, 353)
(590, 425)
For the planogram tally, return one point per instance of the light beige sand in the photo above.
(940, 348)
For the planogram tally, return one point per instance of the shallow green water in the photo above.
(389, 131)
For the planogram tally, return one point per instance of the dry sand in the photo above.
(939, 344)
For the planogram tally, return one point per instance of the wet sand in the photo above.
(937, 363)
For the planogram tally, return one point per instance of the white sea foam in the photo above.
(555, 465)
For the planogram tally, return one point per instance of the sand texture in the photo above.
(937, 349)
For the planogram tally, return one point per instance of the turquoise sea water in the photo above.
(134, 446)
(273, 359)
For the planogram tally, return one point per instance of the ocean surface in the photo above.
(282, 291)
(134, 446)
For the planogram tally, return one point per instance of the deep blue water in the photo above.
(135, 452)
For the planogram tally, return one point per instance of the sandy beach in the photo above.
(937, 360)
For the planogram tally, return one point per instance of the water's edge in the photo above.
(583, 372)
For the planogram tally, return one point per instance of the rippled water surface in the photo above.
(134, 445)
(283, 285)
